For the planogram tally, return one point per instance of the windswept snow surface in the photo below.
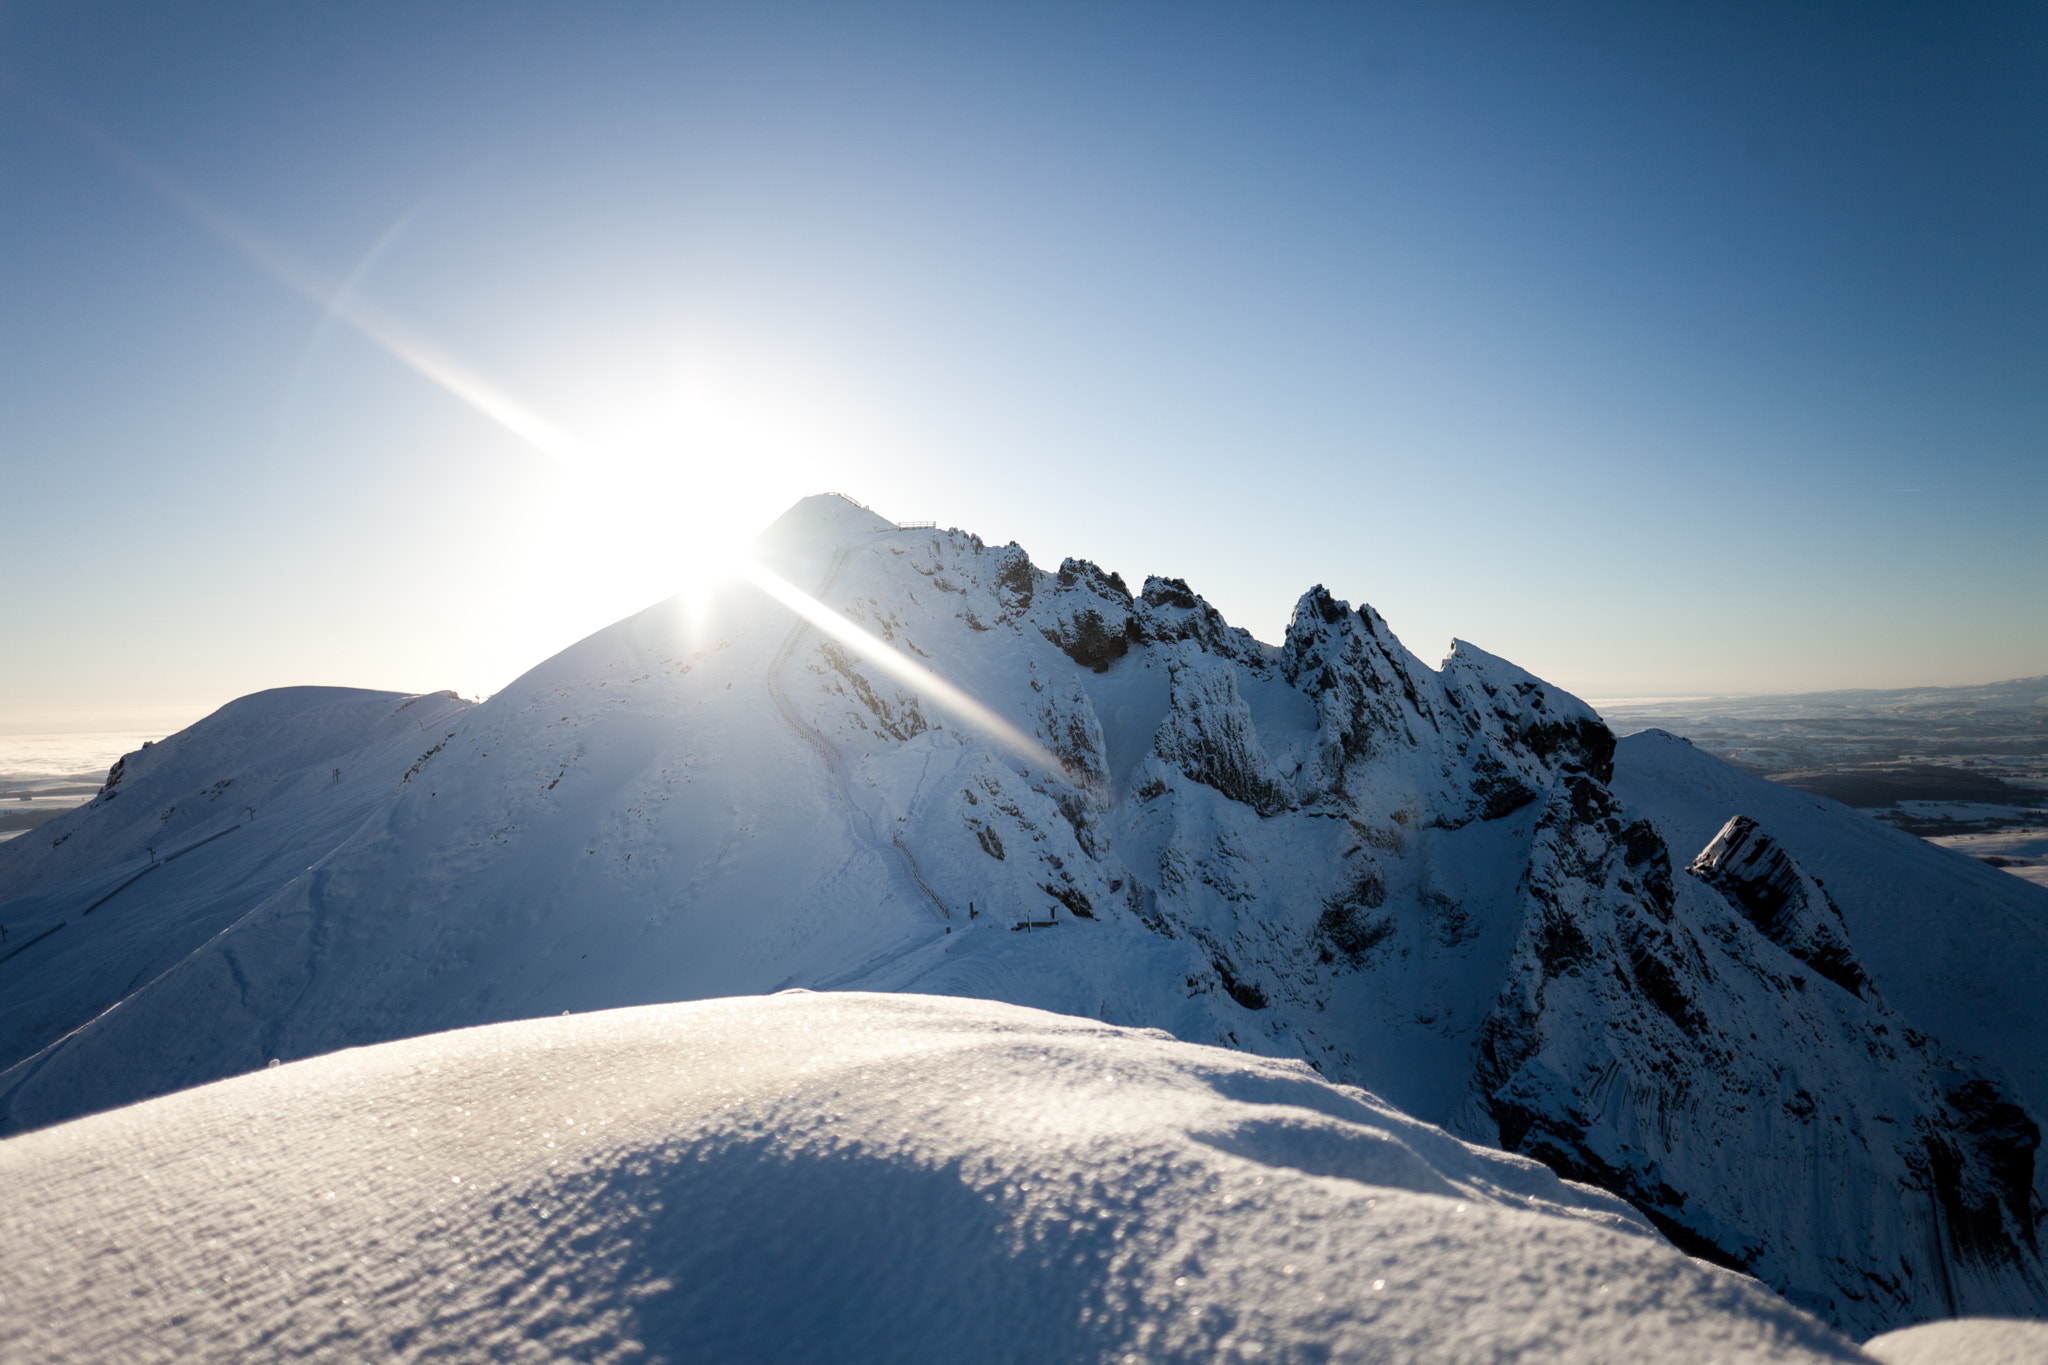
(1418, 880)
(844, 1178)
(1965, 1341)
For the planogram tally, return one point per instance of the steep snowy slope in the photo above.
(1960, 948)
(185, 838)
(1416, 879)
(1750, 1090)
(840, 1178)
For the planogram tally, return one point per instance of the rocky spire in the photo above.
(1792, 909)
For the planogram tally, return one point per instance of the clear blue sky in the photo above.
(1662, 350)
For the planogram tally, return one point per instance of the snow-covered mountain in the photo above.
(1443, 885)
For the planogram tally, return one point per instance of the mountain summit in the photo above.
(1422, 881)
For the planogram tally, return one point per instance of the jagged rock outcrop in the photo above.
(1210, 736)
(1680, 1048)
(1792, 909)
(1169, 610)
(1088, 614)
(1366, 699)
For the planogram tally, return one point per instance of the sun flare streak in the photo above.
(339, 300)
(948, 697)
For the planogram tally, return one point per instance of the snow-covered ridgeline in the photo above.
(1419, 880)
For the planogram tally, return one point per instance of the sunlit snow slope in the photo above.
(1416, 879)
(843, 1178)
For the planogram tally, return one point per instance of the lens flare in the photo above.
(949, 698)
(338, 300)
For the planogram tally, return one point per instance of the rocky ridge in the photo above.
(1417, 880)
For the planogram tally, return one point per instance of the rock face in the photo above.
(1724, 1063)
(1792, 909)
(1418, 880)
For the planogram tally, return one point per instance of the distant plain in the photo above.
(1964, 767)
(42, 776)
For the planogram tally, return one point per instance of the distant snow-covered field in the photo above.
(1942, 763)
(44, 775)
(37, 758)
(2022, 852)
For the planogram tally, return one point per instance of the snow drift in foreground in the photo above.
(1964, 1341)
(829, 1177)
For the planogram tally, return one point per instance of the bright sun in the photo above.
(672, 480)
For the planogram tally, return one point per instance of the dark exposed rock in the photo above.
(1498, 792)
(1243, 992)
(1073, 732)
(1092, 643)
(1347, 929)
(1089, 615)
(1985, 1120)
(899, 720)
(1170, 592)
(1629, 1019)
(1075, 572)
(1585, 744)
(1647, 858)
(1169, 611)
(1015, 579)
(1365, 697)
(1659, 980)
(1792, 909)
(1209, 735)
(1072, 898)
(1525, 715)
